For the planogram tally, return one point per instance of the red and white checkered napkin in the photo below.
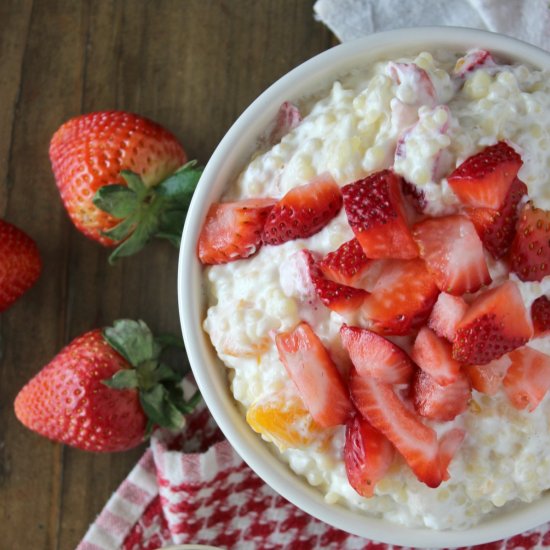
(195, 489)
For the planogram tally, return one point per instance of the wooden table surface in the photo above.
(192, 65)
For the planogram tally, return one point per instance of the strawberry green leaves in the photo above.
(158, 384)
(147, 212)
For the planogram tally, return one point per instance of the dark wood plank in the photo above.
(192, 65)
(34, 329)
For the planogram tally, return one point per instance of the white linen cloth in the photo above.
(528, 20)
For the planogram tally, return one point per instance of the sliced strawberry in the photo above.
(347, 264)
(530, 256)
(488, 378)
(528, 378)
(288, 117)
(233, 230)
(495, 323)
(417, 79)
(317, 378)
(453, 253)
(415, 441)
(303, 211)
(437, 402)
(473, 60)
(340, 298)
(483, 180)
(415, 195)
(434, 356)
(446, 314)
(496, 228)
(376, 356)
(540, 314)
(401, 298)
(449, 444)
(375, 212)
(367, 455)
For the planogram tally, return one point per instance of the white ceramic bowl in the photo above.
(228, 160)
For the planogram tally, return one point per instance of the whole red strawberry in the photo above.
(122, 178)
(20, 264)
(104, 391)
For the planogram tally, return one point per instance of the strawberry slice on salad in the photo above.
(453, 253)
(401, 299)
(303, 211)
(447, 312)
(497, 228)
(528, 378)
(434, 356)
(483, 180)
(233, 230)
(374, 355)
(442, 403)
(315, 375)
(530, 255)
(417, 443)
(540, 314)
(340, 298)
(367, 455)
(473, 60)
(345, 265)
(374, 207)
(488, 378)
(495, 323)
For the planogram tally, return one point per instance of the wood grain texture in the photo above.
(192, 65)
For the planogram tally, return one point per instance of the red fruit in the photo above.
(233, 230)
(421, 82)
(92, 151)
(453, 253)
(496, 228)
(483, 180)
(288, 117)
(90, 396)
(540, 314)
(434, 356)
(528, 378)
(68, 402)
(441, 403)
(415, 195)
(340, 298)
(449, 443)
(446, 314)
(20, 264)
(474, 59)
(415, 441)
(346, 265)
(367, 455)
(530, 256)
(303, 211)
(401, 298)
(317, 378)
(376, 356)
(495, 323)
(375, 212)
(488, 378)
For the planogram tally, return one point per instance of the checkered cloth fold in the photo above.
(194, 488)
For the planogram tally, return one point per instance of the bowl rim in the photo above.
(227, 160)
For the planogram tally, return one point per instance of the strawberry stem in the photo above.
(158, 384)
(147, 212)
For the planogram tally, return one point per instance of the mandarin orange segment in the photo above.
(284, 420)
